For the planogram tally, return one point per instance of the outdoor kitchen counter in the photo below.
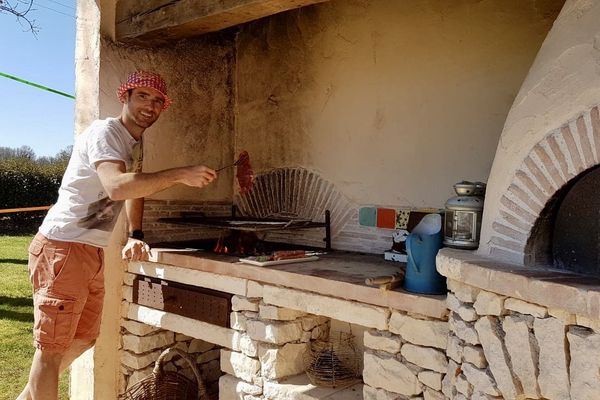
(338, 274)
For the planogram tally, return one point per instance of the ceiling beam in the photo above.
(153, 22)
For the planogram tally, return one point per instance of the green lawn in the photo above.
(16, 319)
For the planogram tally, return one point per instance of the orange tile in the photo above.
(386, 218)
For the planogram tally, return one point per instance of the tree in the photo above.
(20, 9)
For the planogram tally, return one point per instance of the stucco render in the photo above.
(198, 127)
(393, 102)
(563, 82)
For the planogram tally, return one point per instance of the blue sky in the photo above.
(30, 116)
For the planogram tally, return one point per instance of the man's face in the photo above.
(144, 106)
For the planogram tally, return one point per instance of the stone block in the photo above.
(231, 388)
(310, 322)
(553, 376)
(371, 393)
(239, 365)
(475, 356)
(390, 374)
(490, 335)
(463, 292)
(244, 343)
(240, 303)
(200, 346)
(588, 322)
(463, 386)
(481, 379)
(452, 302)
(254, 289)
(138, 361)
(238, 321)
(429, 394)
(523, 351)
(137, 376)
(278, 313)
(332, 307)
(383, 341)
(128, 278)
(208, 356)
(274, 331)
(566, 317)
(488, 303)
(454, 349)
(137, 328)
(279, 362)
(128, 293)
(585, 363)
(449, 381)
(147, 343)
(463, 330)
(425, 357)
(431, 333)
(180, 337)
(524, 307)
(431, 379)
(467, 313)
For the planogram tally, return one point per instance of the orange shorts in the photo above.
(68, 292)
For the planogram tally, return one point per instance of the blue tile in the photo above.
(367, 216)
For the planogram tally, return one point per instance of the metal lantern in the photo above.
(462, 219)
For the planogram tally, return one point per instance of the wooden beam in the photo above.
(154, 22)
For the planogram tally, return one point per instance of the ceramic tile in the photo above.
(402, 217)
(386, 218)
(367, 216)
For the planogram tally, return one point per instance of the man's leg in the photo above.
(65, 360)
(43, 377)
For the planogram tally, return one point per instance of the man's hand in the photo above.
(197, 175)
(136, 250)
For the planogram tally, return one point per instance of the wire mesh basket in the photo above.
(168, 385)
(333, 362)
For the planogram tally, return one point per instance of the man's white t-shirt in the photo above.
(83, 212)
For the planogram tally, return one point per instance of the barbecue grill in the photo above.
(250, 224)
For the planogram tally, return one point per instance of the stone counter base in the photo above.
(504, 347)
(261, 356)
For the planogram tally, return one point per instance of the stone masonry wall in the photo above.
(271, 330)
(141, 344)
(505, 348)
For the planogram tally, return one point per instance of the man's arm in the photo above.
(135, 249)
(121, 185)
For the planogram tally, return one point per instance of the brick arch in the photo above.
(295, 193)
(555, 160)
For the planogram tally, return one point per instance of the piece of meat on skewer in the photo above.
(244, 173)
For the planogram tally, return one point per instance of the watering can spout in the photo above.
(422, 246)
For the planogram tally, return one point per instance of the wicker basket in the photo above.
(168, 385)
(333, 362)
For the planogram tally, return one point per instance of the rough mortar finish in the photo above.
(553, 365)
(491, 338)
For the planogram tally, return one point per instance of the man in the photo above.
(66, 256)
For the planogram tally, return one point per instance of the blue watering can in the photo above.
(422, 245)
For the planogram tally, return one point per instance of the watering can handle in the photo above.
(409, 240)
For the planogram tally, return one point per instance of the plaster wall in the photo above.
(391, 101)
(563, 82)
(198, 127)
